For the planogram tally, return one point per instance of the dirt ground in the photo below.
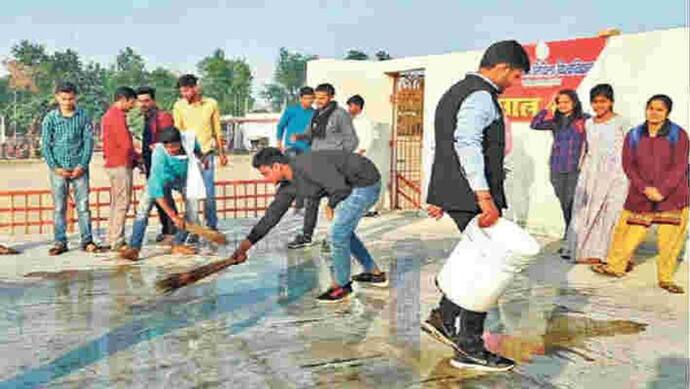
(26, 175)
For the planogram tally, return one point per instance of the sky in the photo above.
(178, 33)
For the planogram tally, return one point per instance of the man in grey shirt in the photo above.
(331, 129)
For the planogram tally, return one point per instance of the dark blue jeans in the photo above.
(343, 239)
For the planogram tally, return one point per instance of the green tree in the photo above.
(275, 95)
(227, 80)
(356, 55)
(29, 54)
(165, 83)
(130, 68)
(290, 74)
(382, 55)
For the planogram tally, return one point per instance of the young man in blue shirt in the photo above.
(295, 120)
(169, 167)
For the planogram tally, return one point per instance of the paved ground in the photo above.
(84, 321)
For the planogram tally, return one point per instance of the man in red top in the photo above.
(120, 157)
(155, 120)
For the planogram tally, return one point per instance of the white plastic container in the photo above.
(484, 262)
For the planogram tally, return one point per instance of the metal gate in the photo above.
(406, 155)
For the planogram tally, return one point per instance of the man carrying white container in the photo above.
(467, 183)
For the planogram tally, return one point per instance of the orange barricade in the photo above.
(31, 211)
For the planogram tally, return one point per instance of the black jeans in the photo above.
(564, 185)
(299, 201)
(311, 215)
(471, 324)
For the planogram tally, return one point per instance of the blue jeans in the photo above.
(60, 188)
(343, 240)
(146, 203)
(209, 182)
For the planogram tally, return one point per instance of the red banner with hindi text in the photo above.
(554, 66)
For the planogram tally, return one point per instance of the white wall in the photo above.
(637, 65)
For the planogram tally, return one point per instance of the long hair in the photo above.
(577, 113)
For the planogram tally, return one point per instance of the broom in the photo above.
(7, 250)
(176, 281)
(206, 233)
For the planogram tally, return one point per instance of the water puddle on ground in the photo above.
(566, 337)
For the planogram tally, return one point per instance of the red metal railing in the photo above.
(31, 211)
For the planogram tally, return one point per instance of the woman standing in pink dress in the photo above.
(602, 185)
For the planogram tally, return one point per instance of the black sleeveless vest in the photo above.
(448, 187)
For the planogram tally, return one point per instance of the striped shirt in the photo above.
(67, 142)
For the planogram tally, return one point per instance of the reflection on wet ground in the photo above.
(258, 324)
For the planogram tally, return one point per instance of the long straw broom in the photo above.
(176, 281)
(206, 233)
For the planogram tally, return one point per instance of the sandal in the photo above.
(671, 287)
(605, 270)
(630, 267)
(92, 248)
(57, 249)
(7, 250)
(589, 261)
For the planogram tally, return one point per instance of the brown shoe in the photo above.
(57, 249)
(130, 254)
(183, 250)
(671, 287)
(93, 248)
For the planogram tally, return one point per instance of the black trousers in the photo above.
(311, 215)
(564, 185)
(470, 325)
(299, 201)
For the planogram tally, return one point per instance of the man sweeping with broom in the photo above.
(170, 169)
(352, 184)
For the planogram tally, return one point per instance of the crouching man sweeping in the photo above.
(352, 184)
(467, 181)
(170, 170)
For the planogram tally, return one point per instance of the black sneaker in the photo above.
(336, 295)
(481, 360)
(379, 280)
(437, 329)
(300, 241)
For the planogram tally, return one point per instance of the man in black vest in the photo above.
(467, 180)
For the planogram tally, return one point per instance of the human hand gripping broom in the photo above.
(176, 281)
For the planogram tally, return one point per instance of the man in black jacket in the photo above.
(352, 184)
(467, 180)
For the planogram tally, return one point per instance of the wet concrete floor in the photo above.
(93, 321)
